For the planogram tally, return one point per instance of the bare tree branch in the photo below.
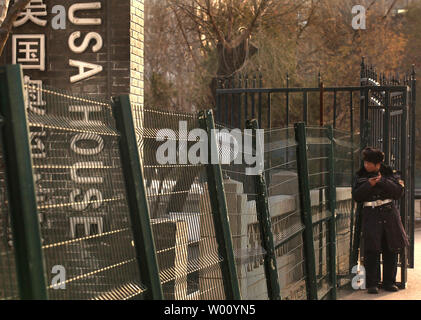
(7, 24)
(390, 9)
(4, 5)
(260, 10)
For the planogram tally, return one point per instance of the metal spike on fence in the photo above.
(260, 79)
(287, 80)
(362, 67)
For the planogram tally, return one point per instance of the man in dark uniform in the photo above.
(376, 186)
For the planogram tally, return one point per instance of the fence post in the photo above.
(220, 210)
(265, 225)
(136, 198)
(412, 152)
(305, 202)
(21, 186)
(405, 130)
(332, 208)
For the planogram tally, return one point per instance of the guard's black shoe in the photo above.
(373, 290)
(391, 287)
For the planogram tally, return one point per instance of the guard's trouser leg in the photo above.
(372, 268)
(390, 263)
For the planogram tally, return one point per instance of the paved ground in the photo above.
(413, 287)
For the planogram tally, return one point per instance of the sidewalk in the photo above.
(413, 286)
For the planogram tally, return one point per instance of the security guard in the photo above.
(376, 186)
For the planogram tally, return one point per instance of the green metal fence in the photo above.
(188, 211)
(347, 162)
(281, 169)
(8, 281)
(109, 219)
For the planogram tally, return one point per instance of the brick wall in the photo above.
(137, 62)
(121, 55)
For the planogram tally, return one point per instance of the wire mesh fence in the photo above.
(85, 211)
(287, 226)
(318, 145)
(240, 192)
(181, 214)
(81, 197)
(347, 161)
(8, 281)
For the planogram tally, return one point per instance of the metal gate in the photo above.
(388, 122)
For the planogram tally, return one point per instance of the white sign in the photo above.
(29, 51)
(33, 11)
(34, 96)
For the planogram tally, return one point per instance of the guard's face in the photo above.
(371, 167)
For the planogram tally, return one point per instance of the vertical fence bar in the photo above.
(268, 177)
(22, 199)
(218, 100)
(305, 107)
(322, 103)
(332, 208)
(246, 103)
(240, 121)
(232, 101)
(265, 225)
(226, 103)
(334, 108)
(136, 198)
(386, 133)
(287, 103)
(253, 104)
(352, 176)
(260, 99)
(413, 150)
(304, 188)
(287, 116)
(269, 120)
(403, 204)
(220, 210)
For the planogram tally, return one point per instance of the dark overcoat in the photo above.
(386, 218)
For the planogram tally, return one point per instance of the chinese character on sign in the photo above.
(33, 11)
(34, 96)
(29, 51)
